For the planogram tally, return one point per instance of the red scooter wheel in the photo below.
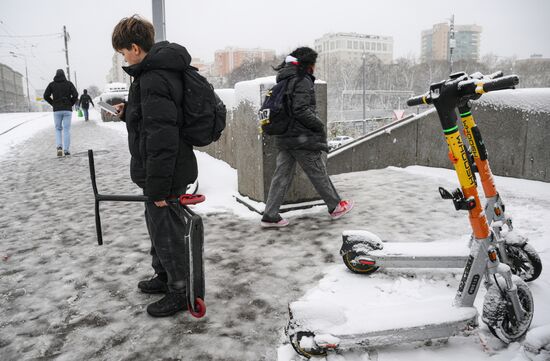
(200, 306)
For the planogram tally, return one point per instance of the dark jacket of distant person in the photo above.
(161, 164)
(61, 93)
(85, 100)
(307, 131)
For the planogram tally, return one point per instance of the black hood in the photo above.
(291, 70)
(163, 55)
(59, 76)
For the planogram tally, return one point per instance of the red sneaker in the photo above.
(342, 208)
(282, 223)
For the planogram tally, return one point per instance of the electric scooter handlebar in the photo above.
(476, 84)
(481, 86)
(419, 100)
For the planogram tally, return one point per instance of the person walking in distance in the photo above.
(84, 103)
(304, 142)
(61, 94)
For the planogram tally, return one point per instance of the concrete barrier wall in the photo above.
(223, 148)
(515, 127)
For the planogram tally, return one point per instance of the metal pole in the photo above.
(66, 52)
(452, 42)
(364, 94)
(27, 76)
(14, 93)
(159, 22)
(75, 81)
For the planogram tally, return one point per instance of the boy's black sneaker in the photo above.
(59, 151)
(169, 305)
(156, 284)
(67, 153)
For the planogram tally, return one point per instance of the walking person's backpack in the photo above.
(203, 111)
(275, 115)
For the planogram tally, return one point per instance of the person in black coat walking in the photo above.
(61, 95)
(302, 143)
(161, 164)
(84, 103)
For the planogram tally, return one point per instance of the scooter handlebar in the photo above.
(505, 82)
(419, 100)
(481, 86)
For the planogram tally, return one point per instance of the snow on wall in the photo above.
(228, 97)
(249, 90)
(532, 100)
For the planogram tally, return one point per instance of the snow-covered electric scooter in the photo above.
(508, 304)
(193, 239)
(364, 254)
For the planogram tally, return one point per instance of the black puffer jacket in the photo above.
(307, 131)
(63, 91)
(85, 101)
(161, 164)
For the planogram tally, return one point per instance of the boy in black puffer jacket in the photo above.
(303, 142)
(161, 164)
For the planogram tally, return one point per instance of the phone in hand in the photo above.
(108, 108)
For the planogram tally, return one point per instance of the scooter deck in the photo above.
(347, 312)
(194, 249)
(385, 326)
(421, 254)
(370, 249)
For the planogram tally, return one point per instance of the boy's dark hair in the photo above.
(133, 30)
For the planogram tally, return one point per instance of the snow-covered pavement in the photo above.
(63, 297)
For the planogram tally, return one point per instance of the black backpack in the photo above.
(203, 111)
(275, 115)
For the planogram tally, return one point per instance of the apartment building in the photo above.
(230, 58)
(435, 43)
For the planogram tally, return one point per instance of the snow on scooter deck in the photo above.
(347, 311)
(441, 254)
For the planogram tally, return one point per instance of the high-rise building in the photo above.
(352, 46)
(117, 74)
(435, 42)
(228, 59)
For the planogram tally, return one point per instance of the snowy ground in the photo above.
(63, 297)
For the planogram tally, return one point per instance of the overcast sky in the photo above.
(510, 27)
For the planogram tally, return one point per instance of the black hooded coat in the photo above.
(306, 132)
(63, 91)
(161, 164)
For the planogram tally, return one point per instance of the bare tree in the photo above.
(93, 91)
(251, 69)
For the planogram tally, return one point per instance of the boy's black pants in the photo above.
(166, 226)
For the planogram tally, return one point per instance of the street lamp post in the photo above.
(452, 42)
(364, 57)
(16, 55)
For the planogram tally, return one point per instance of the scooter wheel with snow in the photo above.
(356, 265)
(498, 313)
(525, 261)
(295, 341)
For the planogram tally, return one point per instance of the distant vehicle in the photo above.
(339, 141)
(115, 93)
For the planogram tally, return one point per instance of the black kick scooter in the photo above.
(194, 239)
